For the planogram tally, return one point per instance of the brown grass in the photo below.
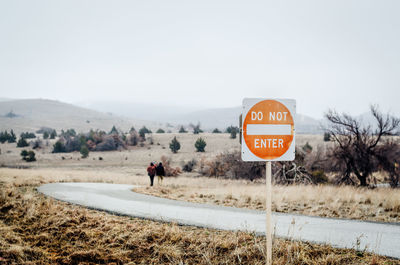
(325, 201)
(38, 230)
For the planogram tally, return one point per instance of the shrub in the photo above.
(53, 134)
(189, 166)
(44, 129)
(318, 176)
(230, 165)
(7, 137)
(68, 133)
(327, 137)
(84, 151)
(143, 131)
(133, 138)
(28, 156)
(216, 131)
(28, 135)
(37, 144)
(200, 144)
(307, 148)
(22, 142)
(196, 128)
(174, 145)
(170, 171)
(233, 134)
(59, 147)
(46, 135)
(232, 128)
(182, 130)
(113, 130)
(160, 131)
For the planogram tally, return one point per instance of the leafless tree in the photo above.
(359, 148)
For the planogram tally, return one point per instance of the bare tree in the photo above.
(359, 148)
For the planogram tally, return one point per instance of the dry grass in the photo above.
(326, 201)
(38, 230)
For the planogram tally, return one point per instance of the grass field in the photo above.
(37, 230)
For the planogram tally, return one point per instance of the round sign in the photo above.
(268, 129)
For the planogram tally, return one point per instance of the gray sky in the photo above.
(338, 54)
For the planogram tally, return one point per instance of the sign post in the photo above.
(268, 134)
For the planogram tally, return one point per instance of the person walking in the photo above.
(151, 171)
(160, 172)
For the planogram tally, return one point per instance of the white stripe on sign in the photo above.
(269, 129)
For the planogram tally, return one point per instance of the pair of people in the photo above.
(154, 170)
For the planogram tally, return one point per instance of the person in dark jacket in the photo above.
(160, 172)
(151, 171)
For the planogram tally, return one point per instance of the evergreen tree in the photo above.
(174, 145)
(84, 151)
(22, 142)
(143, 131)
(160, 131)
(53, 134)
(113, 130)
(46, 135)
(216, 131)
(59, 147)
(12, 138)
(200, 145)
(182, 130)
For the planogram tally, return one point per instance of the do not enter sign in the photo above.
(268, 130)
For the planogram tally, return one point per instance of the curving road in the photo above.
(380, 238)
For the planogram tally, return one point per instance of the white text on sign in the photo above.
(273, 116)
(268, 143)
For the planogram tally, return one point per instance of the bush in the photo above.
(230, 165)
(200, 144)
(216, 131)
(22, 142)
(307, 148)
(232, 128)
(182, 130)
(318, 176)
(28, 156)
(59, 147)
(143, 131)
(7, 137)
(84, 151)
(327, 137)
(37, 144)
(189, 166)
(68, 133)
(170, 171)
(174, 145)
(46, 135)
(233, 134)
(160, 131)
(196, 128)
(44, 129)
(53, 134)
(28, 135)
(133, 138)
(113, 130)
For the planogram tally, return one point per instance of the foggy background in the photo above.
(192, 55)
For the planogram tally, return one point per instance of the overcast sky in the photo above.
(325, 54)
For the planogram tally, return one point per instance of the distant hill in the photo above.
(209, 118)
(31, 114)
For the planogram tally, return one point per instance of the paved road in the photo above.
(380, 238)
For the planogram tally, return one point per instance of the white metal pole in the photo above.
(268, 230)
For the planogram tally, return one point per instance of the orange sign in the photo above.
(268, 129)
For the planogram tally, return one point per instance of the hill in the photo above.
(209, 118)
(31, 114)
